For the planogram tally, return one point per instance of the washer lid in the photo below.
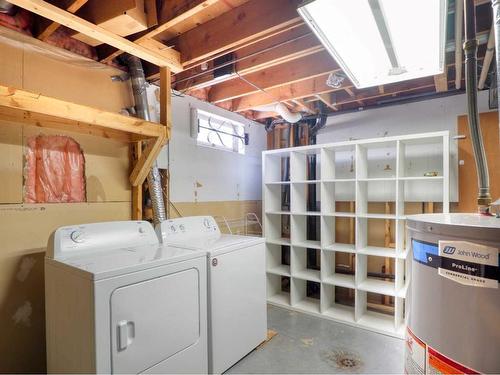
(220, 245)
(114, 262)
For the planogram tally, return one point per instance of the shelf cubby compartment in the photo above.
(430, 189)
(276, 167)
(376, 237)
(376, 199)
(306, 295)
(376, 161)
(338, 233)
(376, 274)
(306, 231)
(305, 165)
(277, 198)
(338, 268)
(337, 198)
(306, 198)
(306, 263)
(420, 156)
(277, 228)
(368, 316)
(278, 259)
(338, 163)
(278, 289)
(338, 302)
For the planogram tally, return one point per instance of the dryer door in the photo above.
(154, 319)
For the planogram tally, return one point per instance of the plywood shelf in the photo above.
(46, 112)
(353, 171)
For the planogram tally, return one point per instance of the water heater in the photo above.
(454, 301)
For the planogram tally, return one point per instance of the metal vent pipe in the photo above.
(139, 85)
(470, 49)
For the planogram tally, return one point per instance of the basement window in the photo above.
(218, 132)
(54, 170)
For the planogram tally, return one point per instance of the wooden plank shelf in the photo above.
(47, 112)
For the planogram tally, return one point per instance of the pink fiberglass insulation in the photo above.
(55, 170)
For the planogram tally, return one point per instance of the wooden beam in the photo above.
(304, 107)
(351, 93)
(307, 67)
(441, 81)
(84, 116)
(282, 48)
(47, 27)
(67, 19)
(166, 99)
(325, 98)
(381, 89)
(145, 162)
(247, 24)
(490, 52)
(296, 90)
(136, 150)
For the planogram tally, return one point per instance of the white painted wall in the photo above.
(223, 175)
(419, 117)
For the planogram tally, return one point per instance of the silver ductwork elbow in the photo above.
(139, 86)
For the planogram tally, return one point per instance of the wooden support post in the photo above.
(136, 151)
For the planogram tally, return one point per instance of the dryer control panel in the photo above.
(75, 239)
(188, 228)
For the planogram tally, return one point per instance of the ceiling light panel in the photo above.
(381, 41)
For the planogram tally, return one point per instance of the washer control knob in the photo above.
(142, 230)
(206, 223)
(77, 236)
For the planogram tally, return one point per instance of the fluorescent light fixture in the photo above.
(377, 42)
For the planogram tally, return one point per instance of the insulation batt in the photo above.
(54, 170)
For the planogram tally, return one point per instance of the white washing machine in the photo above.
(119, 302)
(237, 314)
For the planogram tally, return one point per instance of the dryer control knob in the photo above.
(77, 236)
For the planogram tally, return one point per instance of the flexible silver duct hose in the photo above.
(470, 49)
(139, 85)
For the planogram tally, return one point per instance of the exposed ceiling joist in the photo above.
(326, 99)
(441, 81)
(282, 48)
(296, 90)
(242, 26)
(47, 27)
(304, 107)
(305, 68)
(65, 18)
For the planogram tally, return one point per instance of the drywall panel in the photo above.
(25, 230)
(202, 174)
(30, 64)
(11, 163)
(106, 165)
(419, 117)
(467, 167)
(12, 71)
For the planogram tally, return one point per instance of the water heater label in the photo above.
(468, 263)
(414, 354)
(423, 359)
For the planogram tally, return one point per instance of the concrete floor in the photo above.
(307, 344)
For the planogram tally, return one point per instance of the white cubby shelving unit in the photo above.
(347, 178)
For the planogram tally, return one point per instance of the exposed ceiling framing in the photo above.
(268, 54)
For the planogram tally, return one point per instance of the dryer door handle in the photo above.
(126, 334)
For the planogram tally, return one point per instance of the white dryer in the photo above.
(237, 312)
(119, 302)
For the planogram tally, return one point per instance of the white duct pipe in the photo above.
(488, 57)
(459, 18)
(281, 110)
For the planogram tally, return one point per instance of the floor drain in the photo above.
(343, 360)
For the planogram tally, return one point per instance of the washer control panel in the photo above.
(187, 228)
(69, 240)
